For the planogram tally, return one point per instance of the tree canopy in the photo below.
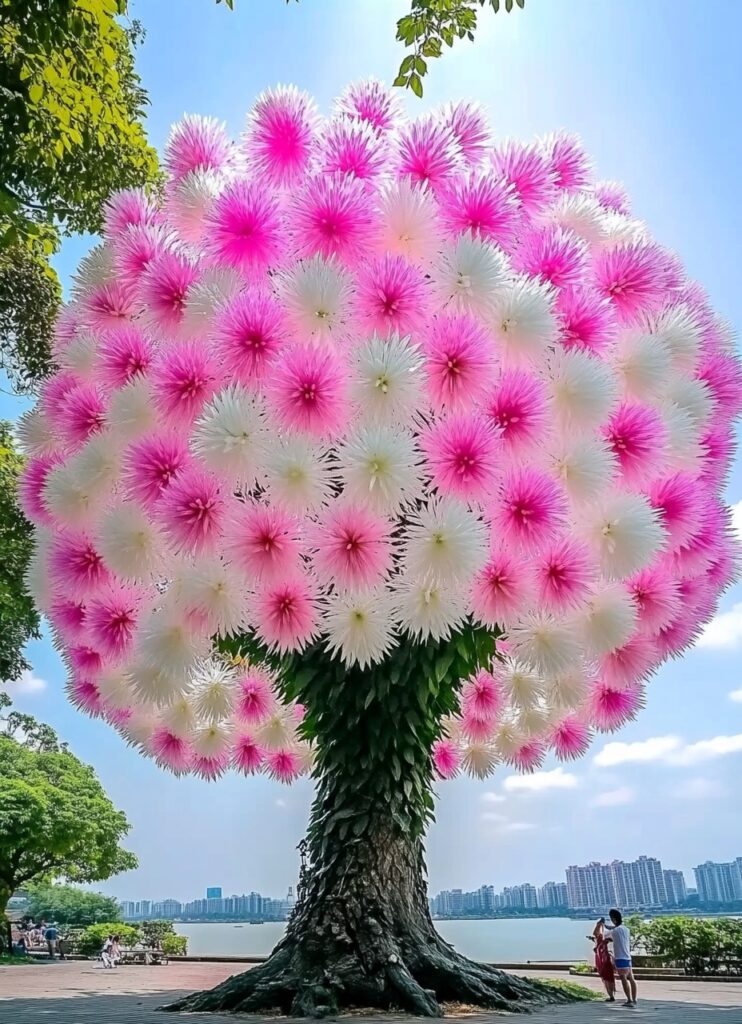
(71, 108)
(19, 620)
(55, 818)
(71, 906)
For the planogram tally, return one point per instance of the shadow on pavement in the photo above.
(98, 1008)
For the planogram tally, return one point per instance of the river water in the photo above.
(516, 939)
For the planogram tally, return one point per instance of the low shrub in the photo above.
(91, 941)
(175, 945)
(697, 945)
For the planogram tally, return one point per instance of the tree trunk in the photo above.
(361, 934)
(5, 894)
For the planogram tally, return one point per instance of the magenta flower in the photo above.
(352, 547)
(460, 362)
(152, 464)
(250, 332)
(333, 216)
(255, 698)
(111, 618)
(446, 758)
(517, 408)
(197, 144)
(553, 255)
(123, 353)
(353, 147)
(569, 162)
(248, 756)
(471, 129)
(245, 229)
(611, 708)
(564, 573)
(286, 613)
(570, 738)
(184, 377)
(587, 320)
(371, 101)
(31, 487)
(462, 455)
(171, 751)
(129, 208)
(636, 435)
(264, 541)
(280, 132)
(164, 286)
(82, 412)
(308, 390)
(634, 277)
(283, 765)
(482, 206)
(392, 296)
(528, 172)
(75, 566)
(502, 588)
(427, 152)
(193, 510)
(529, 508)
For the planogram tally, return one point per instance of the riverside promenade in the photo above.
(81, 992)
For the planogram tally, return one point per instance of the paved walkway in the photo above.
(82, 993)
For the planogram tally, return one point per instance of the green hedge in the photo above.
(698, 945)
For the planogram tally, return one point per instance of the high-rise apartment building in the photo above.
(719, 882)
(675, 887)
(214, 892)
(632, 885)
(552, 894)
(589, 886)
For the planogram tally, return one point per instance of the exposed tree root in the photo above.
(417, 983)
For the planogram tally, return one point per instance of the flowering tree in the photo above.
(377, 451)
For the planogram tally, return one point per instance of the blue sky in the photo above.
(654, 90)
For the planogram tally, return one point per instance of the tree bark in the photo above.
(361, 934)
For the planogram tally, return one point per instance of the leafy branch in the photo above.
(429, 25)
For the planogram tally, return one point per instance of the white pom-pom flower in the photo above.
(427, 608)
(544, 643)
(470, 275)
(480, 759)
(643, 364)
(582, 388)
(445, 541)
(381, 466)
(584, 466)
(678, 329)
(386, 381)
(624, 532)
(132, 413)
(523, 321)
(189, 201)
(317, 297)
(297, 473)
(230, 437)
(359, 626)
(214, 592)
(607, 621)
(130, 542)
(213, 690)
(408, 222)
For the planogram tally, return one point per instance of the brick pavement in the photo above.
(82, 993)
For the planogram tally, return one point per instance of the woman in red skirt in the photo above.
(604, 964)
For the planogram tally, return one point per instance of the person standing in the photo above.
(51, 936)
(603, 962)
(620, 936)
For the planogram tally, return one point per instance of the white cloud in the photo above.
(280, 802)
(518, 826)
(538, 781)
(708, 750)
(669, 750)
(736, 695)
(656, 749)
(26, 683)
(614, 797)
(490, 797)
(724, 632)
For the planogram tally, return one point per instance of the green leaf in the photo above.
(407, 64)
(420, 66)
(400, 80)
(443, 664)
(416, 85)
(35, 92)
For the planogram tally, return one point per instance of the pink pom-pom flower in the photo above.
(197, 144)
(517, 408)
(502, 588)
(255, 698)
(352, 547)
(610, 708)
(428, 152)
(462, 456)
(123, 353)
(392, 296)
(264, 541)
(553, 255)
(163, 288)
(184, 377)
(308, 390)
(446, 758)
(529, 508)
(570, 738)
(193, 510)
(333, 216)
(286, 613)
(250, 331)
(248, 756)
(150, 465)
(283, 765)
(111, 619)
(77, 569)
(483, 207)
(280, 133)
(245, 227)
(460, 362)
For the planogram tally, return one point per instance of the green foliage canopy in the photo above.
(55, 818)
(71, 108)
(698, 945)
(71, 906)
(19, 620)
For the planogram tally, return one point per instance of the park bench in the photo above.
(147, 957)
